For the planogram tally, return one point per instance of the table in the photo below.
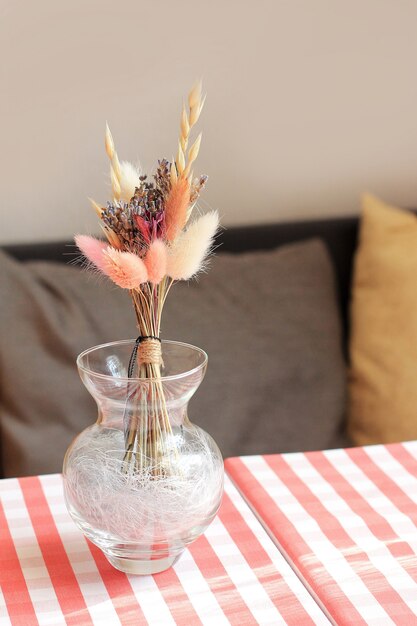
(347, 522)
(51, 575)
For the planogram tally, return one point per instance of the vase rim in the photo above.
(92, 372)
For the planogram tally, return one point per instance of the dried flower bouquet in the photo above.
(150, 245)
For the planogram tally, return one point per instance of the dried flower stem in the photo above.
(147, 437)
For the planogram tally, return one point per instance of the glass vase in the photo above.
(143, 482)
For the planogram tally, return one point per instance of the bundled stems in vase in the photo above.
(146, 427)
(150, 244)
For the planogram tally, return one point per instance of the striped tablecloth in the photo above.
(347, 522)
(50, 574)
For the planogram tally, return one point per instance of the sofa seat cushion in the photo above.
(268, 320)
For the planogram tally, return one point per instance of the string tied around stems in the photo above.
(147, 349)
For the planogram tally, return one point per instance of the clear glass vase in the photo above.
(143, 482)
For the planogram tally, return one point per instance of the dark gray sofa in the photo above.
(339, 235)
(272, 314)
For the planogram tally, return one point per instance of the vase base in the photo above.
(142, 567)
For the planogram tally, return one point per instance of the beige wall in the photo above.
(309, 103)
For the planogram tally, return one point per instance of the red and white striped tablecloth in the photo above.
(51, 575)
(347, 522)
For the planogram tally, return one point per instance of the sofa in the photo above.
(272, 313)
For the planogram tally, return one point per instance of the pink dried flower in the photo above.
(92, 249)
(156, 261)
(188, 252)
(125, 269)
(143, 227)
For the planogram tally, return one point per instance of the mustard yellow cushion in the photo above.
(383, 347)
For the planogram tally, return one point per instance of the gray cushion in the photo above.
(268, 320)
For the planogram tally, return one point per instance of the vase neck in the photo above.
(118, 414)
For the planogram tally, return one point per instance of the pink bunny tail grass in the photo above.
(124, 268)
(187, 254)
(156, 261)
(176, 207)
(92, 249)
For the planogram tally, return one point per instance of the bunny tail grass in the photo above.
(125, 269)
(189, 251)
(129, 180)
(92, 249)
(156, 261)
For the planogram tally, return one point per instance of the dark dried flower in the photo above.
(162, 177)
(117, 216)
(147, 199)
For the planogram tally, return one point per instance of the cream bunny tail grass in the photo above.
(129, 180)
(189, 251)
